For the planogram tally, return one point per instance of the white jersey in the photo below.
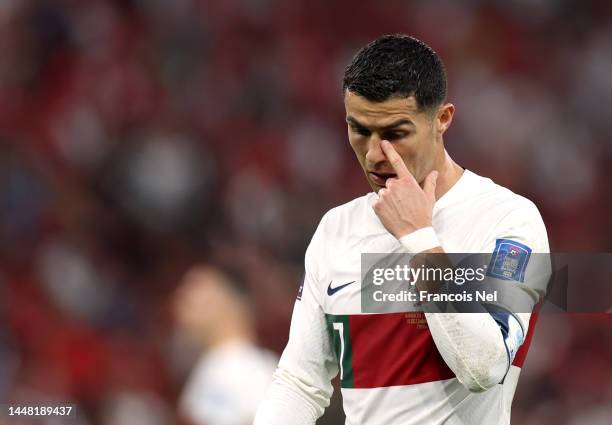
(227, 384)
(392, 372)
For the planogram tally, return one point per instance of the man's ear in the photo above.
(445, 117)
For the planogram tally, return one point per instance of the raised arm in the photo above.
(477, 347)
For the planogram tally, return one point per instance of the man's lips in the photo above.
(379, 179)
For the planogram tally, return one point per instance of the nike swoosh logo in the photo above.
(331, 291)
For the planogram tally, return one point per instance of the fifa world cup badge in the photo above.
(509, 260)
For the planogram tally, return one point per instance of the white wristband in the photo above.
(420, 240)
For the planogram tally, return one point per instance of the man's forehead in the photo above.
(380, 113)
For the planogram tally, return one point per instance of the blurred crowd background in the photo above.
(141, 137)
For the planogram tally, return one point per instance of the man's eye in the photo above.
(361, 131)
(395, 135)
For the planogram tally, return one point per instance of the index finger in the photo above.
(395, 159)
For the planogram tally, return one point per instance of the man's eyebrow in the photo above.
(402, 121)
(352, 121)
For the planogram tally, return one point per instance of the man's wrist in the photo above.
(420, 240)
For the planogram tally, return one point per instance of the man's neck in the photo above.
(230, 332)
(449, 173)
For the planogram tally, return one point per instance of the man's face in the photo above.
(413, 134)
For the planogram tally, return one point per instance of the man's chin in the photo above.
(375, 187)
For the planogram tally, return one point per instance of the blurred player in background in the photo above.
(429, 368)
(233, 373)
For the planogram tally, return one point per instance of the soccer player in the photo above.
(216, 316)
(395, 368)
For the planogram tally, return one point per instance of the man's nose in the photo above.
(375, 154)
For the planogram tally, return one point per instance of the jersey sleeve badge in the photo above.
(509, 260)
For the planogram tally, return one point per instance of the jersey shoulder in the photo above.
(344, 225)
(351, 217)
(510, 213)
(497, 199)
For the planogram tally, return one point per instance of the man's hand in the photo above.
(403, 206)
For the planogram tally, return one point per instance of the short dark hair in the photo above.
(397, 66)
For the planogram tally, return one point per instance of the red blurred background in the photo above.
(139, 137)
